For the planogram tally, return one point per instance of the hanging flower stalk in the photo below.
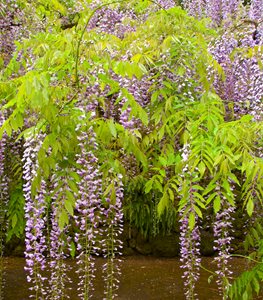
(189, 231)
(190, 254)
(59, 239)
(195, 8)
(35, 207)
(218, 10)
(243, 84)
(112, 245)
(222, 228)
(3, 203)
(88, 215)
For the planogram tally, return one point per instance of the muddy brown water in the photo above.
(143, 278)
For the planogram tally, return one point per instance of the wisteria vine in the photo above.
(119, 106)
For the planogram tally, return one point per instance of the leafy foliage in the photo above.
(151, 96)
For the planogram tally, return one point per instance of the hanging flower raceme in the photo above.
(195, 8)
(59, 238)
(166, 4)
(190, 253)
(189, 230)
(3, 203)
(35, 209)
(229, 10)
(112, 229)
(110, 20)
(219, 11)
(256, 11)
(223, 238)
(3, 177)
(88, 215)
(243, 83)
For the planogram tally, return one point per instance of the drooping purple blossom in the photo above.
(165, 4)
(256, 10)
(88, 206)
(111, 243)
(222, 233)
(139, 89)
(59, 240)
(111, 21)
(229, 10)
(3, 202)
(243, 83)
(189, 237)
(195, 8)
(35, 206)
(220, 11)
(190, 255)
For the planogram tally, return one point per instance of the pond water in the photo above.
(143, 278)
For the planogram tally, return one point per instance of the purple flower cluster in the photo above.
(59, 241)
(112, 21)
(111, 243)
(256, 11)
(88, 206)
(57, 264)
(3, 176)
(189, 238)
(190, 254)
(3, 202)
(221, 52)
(243, 83)
(222, 230)
(35, 207)
(195, 8)
(138, 88)
(219, 11)
(166, 4)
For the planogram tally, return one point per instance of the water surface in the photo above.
(143, 278)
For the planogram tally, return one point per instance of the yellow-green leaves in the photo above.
(217, 204)
(63, 219)
(191, 220)
(112, 128)
(125, 68)
(250, 206)
(201, 168)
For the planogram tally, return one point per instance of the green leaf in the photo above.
(198, 211)
(112, 128)
(73, 186)
(109, 189)
(250, 207)
(72, 249)
(201, 168)
(163, 161)
(191, 220)
(256, 284)
(210, 279)
(70, 197)
(245, 296)
(162, 172)
(69, 207)
(14, 220)
(158, 185)
(63, 219)
(163, 204)
(211, 197)
(171, 194)
(217, 204)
